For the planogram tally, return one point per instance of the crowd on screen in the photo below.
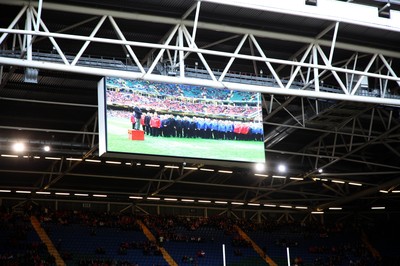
(181, 90)
(176, 105)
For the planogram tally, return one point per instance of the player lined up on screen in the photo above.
(168, 125)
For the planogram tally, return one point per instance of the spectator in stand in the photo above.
(201, 254)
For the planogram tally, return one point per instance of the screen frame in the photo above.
(105, 152)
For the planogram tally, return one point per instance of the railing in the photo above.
(196, 72)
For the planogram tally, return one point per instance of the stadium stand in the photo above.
(90, 238)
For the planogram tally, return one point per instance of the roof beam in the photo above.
(209, 26)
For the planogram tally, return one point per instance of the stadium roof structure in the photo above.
(328, 72)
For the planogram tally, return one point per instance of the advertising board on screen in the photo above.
(180, 122)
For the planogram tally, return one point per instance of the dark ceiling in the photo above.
(356, 144)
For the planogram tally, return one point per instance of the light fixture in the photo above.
(170, 199)
(74, 159)
(135, 197)
(337, 181)
(279, 176)
(53, 158)
(311, 2)
(153, 198)
(301, 207)
(317, 212)
(43, 192)
(237, 203)
(253, 204)
(335, 208)
(171, 166)
(46, 148)
(99, 196)
(62, 193)
(260, 167)
(269, 205)
(187, 200)
(31, 75)
(19, 147)
(262, 175)
(113, 162)
(320, 170)
(378, 208)
(221, 202)
(9, 155)
(225, 171)
(81, 195)
(5, 190)
(206, 169)
(92, 161)
(285, 206)
(152, 165)
(190, 168)
(296, 178)
(204, 201)
(23, 191)
(355, 184)
(282, 168)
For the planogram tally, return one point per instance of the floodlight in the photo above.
(282, 168)
(31, 75)
(259, 167)
(19, 147)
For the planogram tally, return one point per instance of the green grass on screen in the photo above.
(117, 131)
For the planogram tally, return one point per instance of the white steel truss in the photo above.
(310, 67)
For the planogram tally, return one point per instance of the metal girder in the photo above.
(64, 173)
(375, 139)
(326, 65)
(363, 193)
(171, 182)
(204, 25)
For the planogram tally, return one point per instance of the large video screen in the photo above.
(180, 121)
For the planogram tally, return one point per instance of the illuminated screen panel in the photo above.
(181, 121)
